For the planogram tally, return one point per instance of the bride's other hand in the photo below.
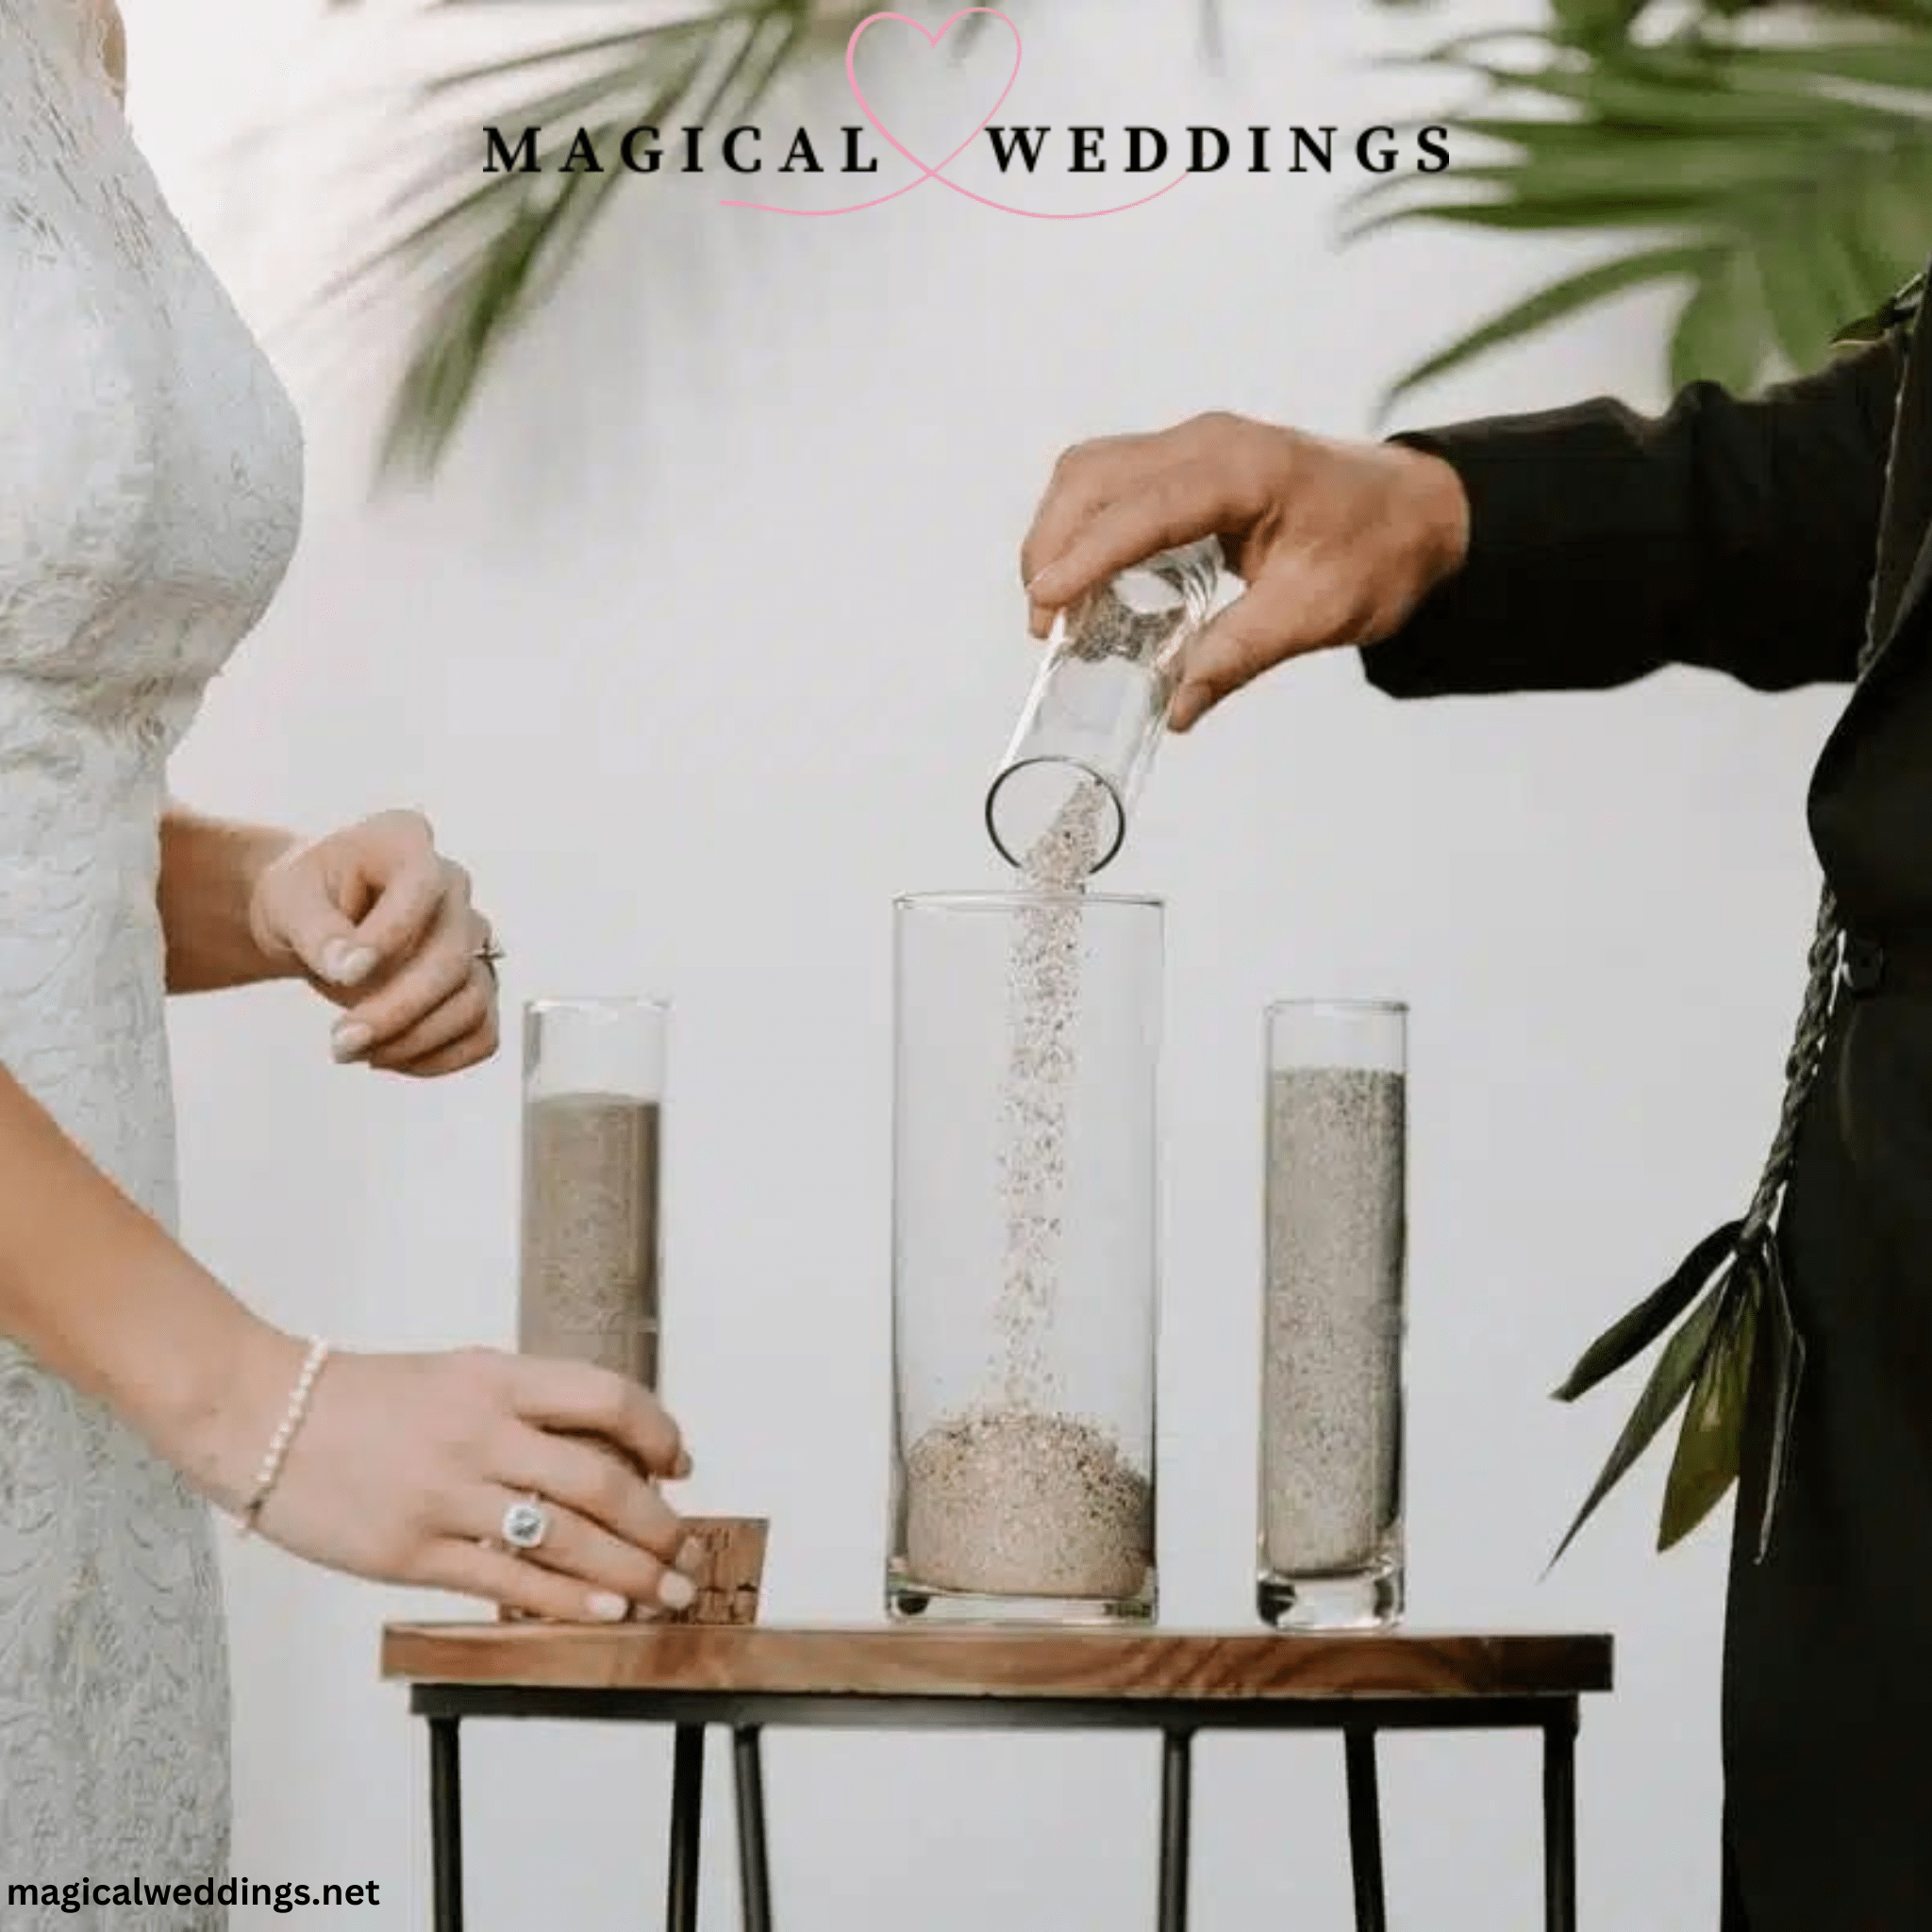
(404, 1465)
(379, 921)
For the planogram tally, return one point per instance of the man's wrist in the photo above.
(1443, 514)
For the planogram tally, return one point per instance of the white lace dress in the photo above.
(150, 472)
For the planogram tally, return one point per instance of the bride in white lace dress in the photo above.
(150, 470)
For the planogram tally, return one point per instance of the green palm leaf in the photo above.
(1719, 331)
(1549, 305)
(473, 254)
(1781, 187)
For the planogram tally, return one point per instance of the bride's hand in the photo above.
(405, 1465)
(381, 922)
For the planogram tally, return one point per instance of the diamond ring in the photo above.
(526, 1524)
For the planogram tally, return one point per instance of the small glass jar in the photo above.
(593, 1152)
(1026, 1304)
(1099, 704)
(1334, 1295)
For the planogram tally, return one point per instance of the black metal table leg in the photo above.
(1559, 1819)
(687, 1818)
(746, 1713)
(446, 1825)
(1365, 1830)
(754, 1869)
(1176, 1801)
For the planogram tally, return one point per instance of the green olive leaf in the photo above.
(1787, 1374)
(1710, 1443)
(1895, 308)
(1628, 1337)
(1670, 1382)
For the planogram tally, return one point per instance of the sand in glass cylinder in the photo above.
(1025, 1287)
(1331, 1438)
(593, 1139)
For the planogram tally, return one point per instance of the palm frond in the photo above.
(1784, 187)
(473, 253)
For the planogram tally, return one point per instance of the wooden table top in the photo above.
(897, 1661)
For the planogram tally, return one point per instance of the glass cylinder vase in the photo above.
(1099, 705)
(1025, 1280)
(592, 1152)
(1331, 1552)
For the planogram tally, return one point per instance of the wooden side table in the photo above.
(691, 1677)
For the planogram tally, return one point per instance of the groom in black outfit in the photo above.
(1783, 539)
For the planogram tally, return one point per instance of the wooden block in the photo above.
(732, 1573)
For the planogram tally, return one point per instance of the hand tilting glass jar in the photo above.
(1331, 1447)
(1100, 702)
(1024, 1258)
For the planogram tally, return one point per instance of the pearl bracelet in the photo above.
(270, 1473)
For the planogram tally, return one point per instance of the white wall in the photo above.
(698, 656)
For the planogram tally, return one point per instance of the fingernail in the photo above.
(677, 1593)
(691, 1555)
(607, 1607)
(346, 964)
(348, 1039)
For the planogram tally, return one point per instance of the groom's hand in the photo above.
(1336, 543)
(380, 922)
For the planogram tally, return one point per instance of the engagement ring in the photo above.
(526, 1524)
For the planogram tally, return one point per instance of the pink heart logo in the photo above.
(933, 38)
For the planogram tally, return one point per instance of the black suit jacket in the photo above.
(1745, 536)
(1754, 538)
